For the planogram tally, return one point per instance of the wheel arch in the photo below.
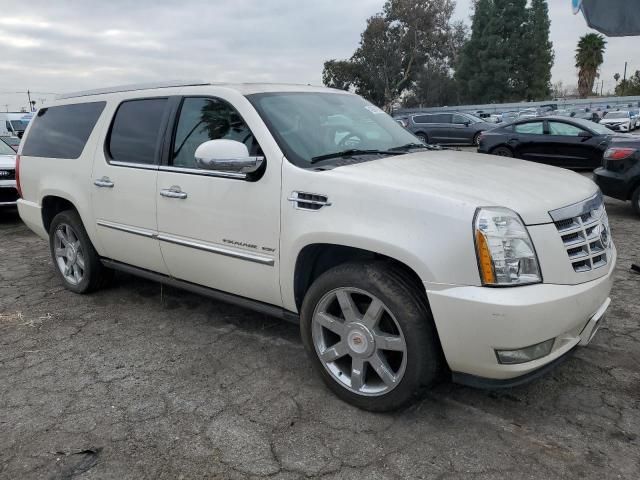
(315, 259)
(53, 205)
(502, 145)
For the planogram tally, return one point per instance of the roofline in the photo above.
(167, 84)
(134, 87)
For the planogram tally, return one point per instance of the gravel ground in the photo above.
(139, 382)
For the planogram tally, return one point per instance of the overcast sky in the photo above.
(64, 45)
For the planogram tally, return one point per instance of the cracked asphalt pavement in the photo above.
(139, 381)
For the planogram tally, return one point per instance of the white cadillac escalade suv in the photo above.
(399, 260)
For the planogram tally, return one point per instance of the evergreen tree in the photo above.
(541, 52)
(509, 55)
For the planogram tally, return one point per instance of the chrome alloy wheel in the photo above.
(68, 254)
(359, 342)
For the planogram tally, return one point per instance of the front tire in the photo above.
(76, 262)
(635, 200)
(423, 138)
(502, 152)
(370, 335)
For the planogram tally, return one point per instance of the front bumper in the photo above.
(618, 128)
(8, 193)
(474, 322)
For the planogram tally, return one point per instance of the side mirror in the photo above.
(228, 158)
(585, 135)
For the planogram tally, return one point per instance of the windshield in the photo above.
(6, 149)
(473, 118)
(618, 115)
(309, 125)
(594, 127)
(19, 125)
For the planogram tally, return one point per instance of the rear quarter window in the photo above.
(62, 131)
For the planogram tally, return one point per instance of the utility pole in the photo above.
(601, 87)
(6, 106)
(31, 110)
(624, 79)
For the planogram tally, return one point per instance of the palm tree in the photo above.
(589, 57)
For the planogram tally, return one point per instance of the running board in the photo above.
(254, 305)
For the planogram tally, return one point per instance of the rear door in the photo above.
(124, 183)
(526, 140)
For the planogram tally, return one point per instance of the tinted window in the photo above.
(459, 119)
(62, 132)
(442, 118)
(424, 119)
(535, 128)
(559, 128)
(203, 119)
(136, 130)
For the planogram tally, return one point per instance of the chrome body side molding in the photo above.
(250, 304)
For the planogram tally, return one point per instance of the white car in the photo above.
(619, 121)
(398, 260)
(8, 192)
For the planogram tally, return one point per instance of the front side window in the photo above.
(532, 128)
(135, 132)
(204, 119)
(565, 129)
(460, 120)
(423, 119)
(312, 125)
(62, 131)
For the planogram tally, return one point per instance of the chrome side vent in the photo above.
(309, 201)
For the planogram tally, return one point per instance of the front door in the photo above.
(567, 148)
(217, 231)
(124, 179)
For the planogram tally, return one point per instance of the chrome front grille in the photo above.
(585, 233)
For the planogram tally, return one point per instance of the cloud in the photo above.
(70, 45)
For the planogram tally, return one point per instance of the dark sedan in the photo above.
(560, 141)
(619, 176)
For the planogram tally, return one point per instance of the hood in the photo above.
(7, 161)
(528, 188)
(614, 120)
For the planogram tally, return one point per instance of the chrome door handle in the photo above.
(173, 192)
(103, 182)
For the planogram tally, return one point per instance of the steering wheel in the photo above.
(350, 140)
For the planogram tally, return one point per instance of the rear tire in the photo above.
(386, 327)
(635, 200)
(502, 152)
(423, 137)
(476, 139)
(76, 262)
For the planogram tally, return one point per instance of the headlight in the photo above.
(506, 256)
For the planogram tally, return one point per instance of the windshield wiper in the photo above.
(349, 153)
(408, 146)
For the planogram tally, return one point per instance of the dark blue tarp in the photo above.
(614, 18)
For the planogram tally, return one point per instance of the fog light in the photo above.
(534, 352)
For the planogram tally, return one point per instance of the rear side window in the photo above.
(423, 119)
(135, 132)
(62, 131)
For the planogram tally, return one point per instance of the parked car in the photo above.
(619, 176)
(8, 192)
(635, 119)
(528, 113)
(448, 128)
(14, 124)
(13, 142)
(586, 114)
(313, 205)
(508, 117)
(559, 141)
(618, 121)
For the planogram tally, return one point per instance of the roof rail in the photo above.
(134, 87)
